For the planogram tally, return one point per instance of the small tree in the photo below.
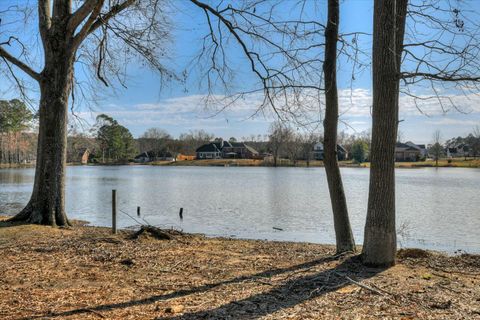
(436, 150)
(308, 141)
(279, 135)
(359, 151)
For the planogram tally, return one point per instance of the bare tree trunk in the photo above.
(380, 242)
(275, 155)
(47, 203)
(343, 232)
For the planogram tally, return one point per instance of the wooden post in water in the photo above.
(138, 211)
(181, 213)
(114, 211)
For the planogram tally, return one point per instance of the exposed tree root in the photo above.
(30, 215)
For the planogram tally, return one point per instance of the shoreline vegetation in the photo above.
(444, 163)
(92, 274)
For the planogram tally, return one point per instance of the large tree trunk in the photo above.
(343, 232)
(47, 203)
(380, 241)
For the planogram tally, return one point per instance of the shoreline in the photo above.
(471, 163)
(85, 272)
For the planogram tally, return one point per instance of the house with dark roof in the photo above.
(460, 150)
(239, 150)
(144, 157)
(209, 151)
(421, 147)
(318, 152)
(226, 149)
(405, 152)
(149, 156)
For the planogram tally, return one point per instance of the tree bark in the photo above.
(343, 232)
(380, 241)
(47, 203)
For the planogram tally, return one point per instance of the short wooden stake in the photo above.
(114, 211)
(181, 213)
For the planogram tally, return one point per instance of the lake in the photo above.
(436, 208)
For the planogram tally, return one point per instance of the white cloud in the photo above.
(453, 122)
(218, 111)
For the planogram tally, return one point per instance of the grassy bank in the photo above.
(87, 273)
(14, 165)
(444, 163)
(244, 163)
(454, 163)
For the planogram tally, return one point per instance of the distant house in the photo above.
(405, 152)
(460, 150)
(183, 157)
(149, 156)
(209, 151)
(79, 156)
(239, 150)
(318, 152)
(226, 149)
(144, 157)
(421, 147)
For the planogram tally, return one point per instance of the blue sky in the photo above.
(178, 107)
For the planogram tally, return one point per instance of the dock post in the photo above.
(114, 211)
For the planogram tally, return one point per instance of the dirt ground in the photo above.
(87, 273)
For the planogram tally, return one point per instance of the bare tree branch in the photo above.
(44, 18)
(79, 16)
(25, 68)
(84, 31)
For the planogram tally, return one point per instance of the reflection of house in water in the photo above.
(318, 152)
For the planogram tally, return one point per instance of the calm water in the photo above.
(436, 209)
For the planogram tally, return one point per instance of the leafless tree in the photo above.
(279, 135)
(155, 140)
(343, 231)
(440, 50)
(380, 243)
(437, 149)
(103, 36)
(308, 141)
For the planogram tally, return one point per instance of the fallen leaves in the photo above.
(86, 273)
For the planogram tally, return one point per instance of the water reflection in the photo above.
(440, 208)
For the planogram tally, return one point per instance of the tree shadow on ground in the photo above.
(288, 294)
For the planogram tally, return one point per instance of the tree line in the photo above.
(17, 141)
